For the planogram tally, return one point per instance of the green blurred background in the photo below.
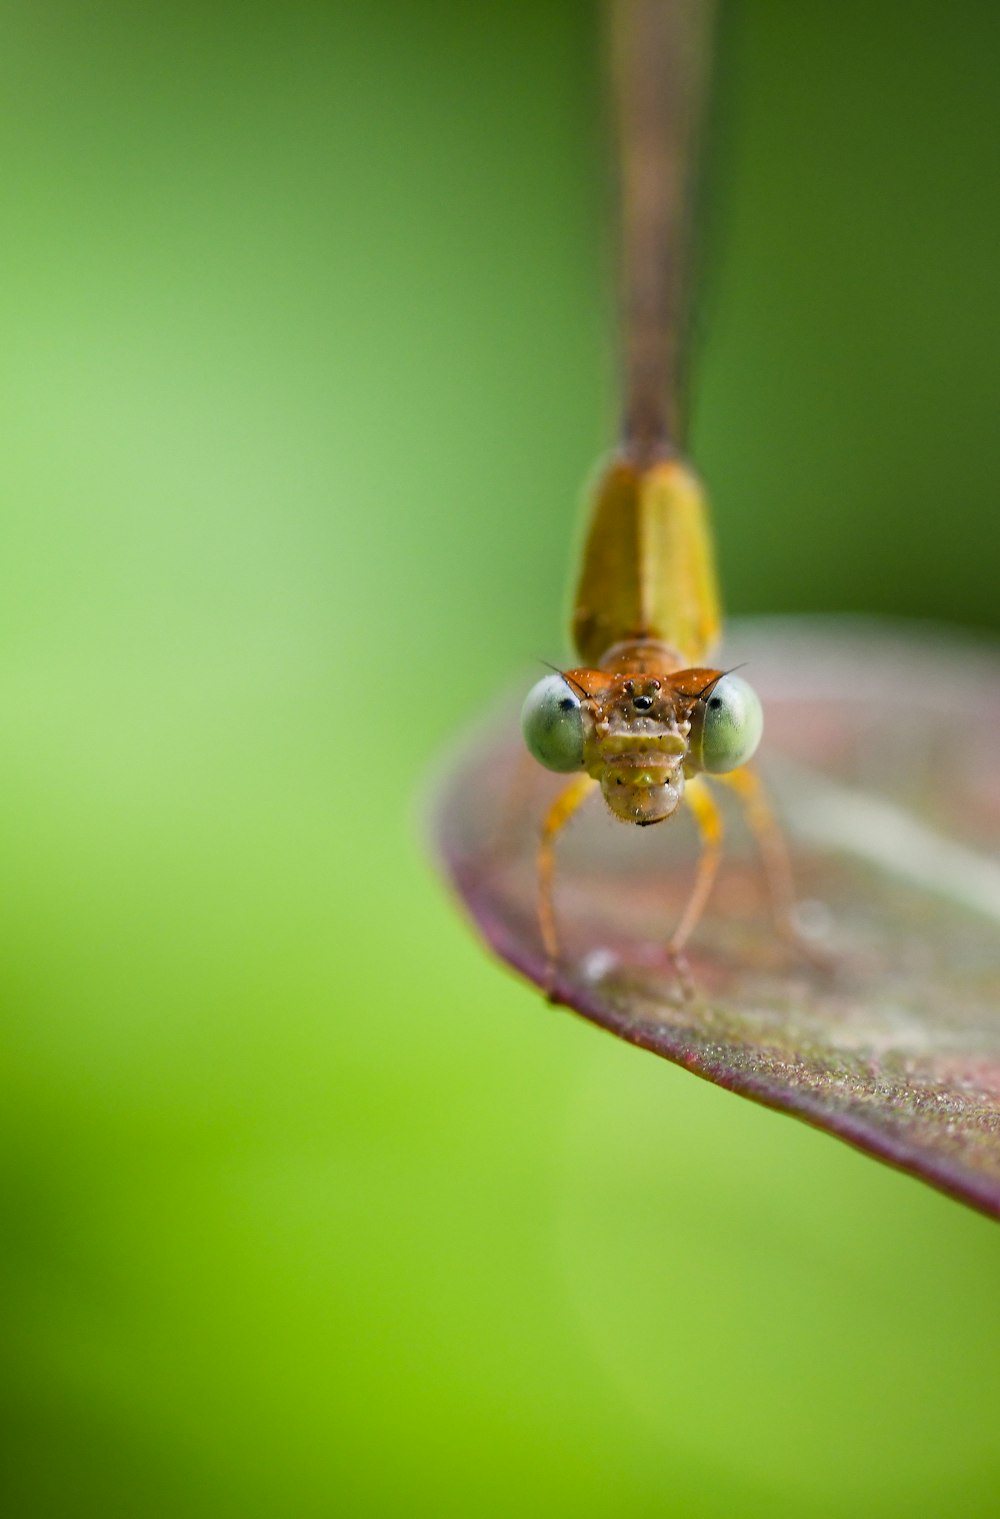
(309, 1208)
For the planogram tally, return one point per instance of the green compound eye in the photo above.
(552, 723)
(726, 726)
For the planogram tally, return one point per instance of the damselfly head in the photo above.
(639, 733)
(635, 745)
(627, 731)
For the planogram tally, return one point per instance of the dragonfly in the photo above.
(645, 717)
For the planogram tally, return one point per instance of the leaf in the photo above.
(881, 754)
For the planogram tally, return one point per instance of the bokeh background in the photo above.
(308, 1207)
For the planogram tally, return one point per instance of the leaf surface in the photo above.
(881, 754)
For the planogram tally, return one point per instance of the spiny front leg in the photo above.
(562, 809)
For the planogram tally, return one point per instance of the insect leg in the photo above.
(776, 860)
(558, 815)
(709, 820)
(770, 839)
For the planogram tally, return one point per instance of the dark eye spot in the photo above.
(642, 703)
(567, 704)
(715, 701)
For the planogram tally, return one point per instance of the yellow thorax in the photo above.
(648, 567)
